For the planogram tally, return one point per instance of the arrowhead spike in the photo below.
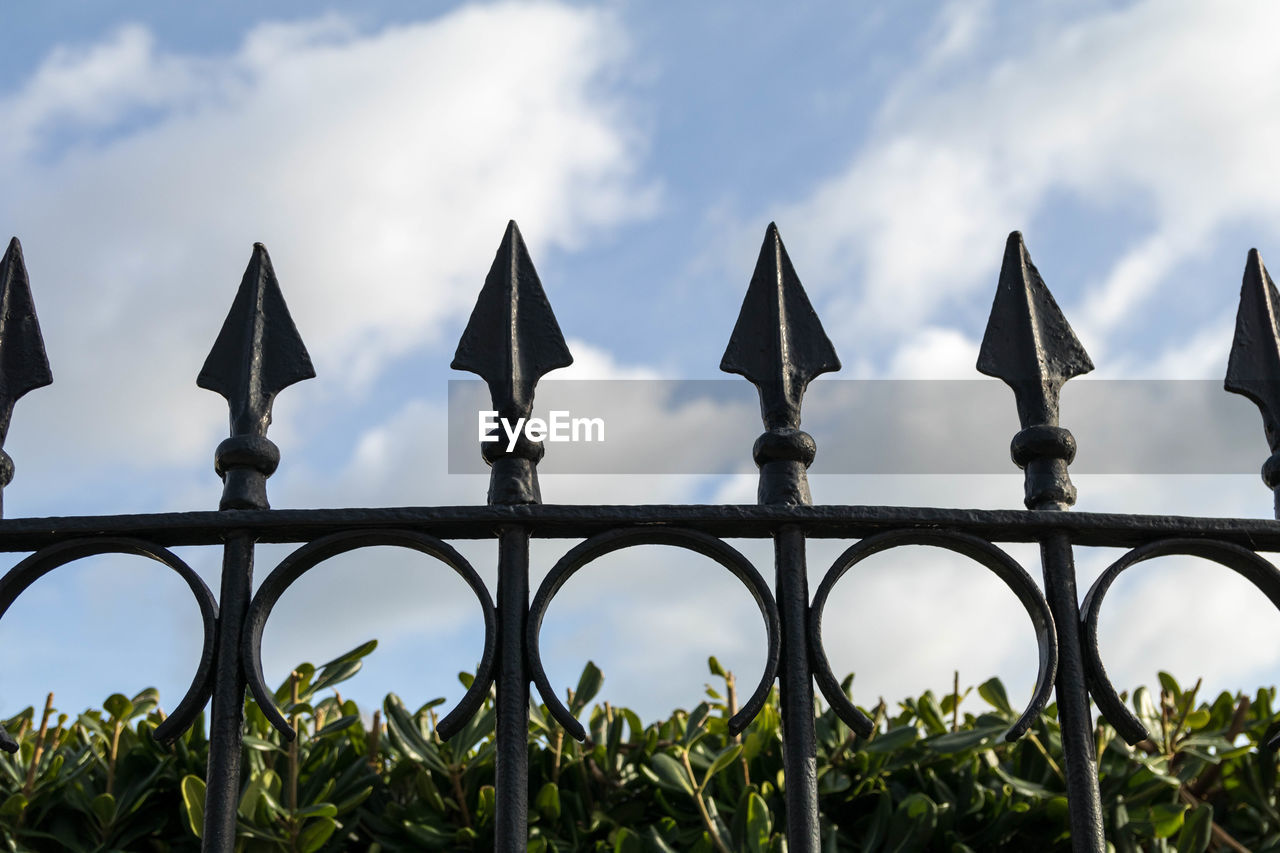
(1029, 343)
(512, 339)
(258, 353)
(1253, 368)
(778, 343)
(23, 363)
(24, 366)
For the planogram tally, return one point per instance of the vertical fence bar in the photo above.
(1074, 717)
(226, 725)
(511, 816)
(256, 355)
(799, 739)
(1030, 345)
(779, 345)
(511, 341)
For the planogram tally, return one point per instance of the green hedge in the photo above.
(937, 775)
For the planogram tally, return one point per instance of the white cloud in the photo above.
(379, 169)
(1159, 107)
(592, 362)
(935, 353)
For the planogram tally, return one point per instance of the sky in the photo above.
(643, 148)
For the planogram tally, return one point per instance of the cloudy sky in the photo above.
(643, 149)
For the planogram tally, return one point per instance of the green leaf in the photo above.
(297, 709)
(118, 706)
(537, 719)
(1197, 830)
(338, 725)
(284, 692)
(1166, 818)
(362, 650)
(145, 701)
(1197, 719)
(1146, 709)
(317, 810)
(486, 804)
(633, 722)
(759, 825)
(404, 730)
(1170, 685)
(993, 691)
(548, 801)
(693, 728)
(913, 823)
(315, 834)
(355, 799)
(1023, 786)
(959, 741)
(626, 841)
(193, 803)
(104, 808)
(13, 806)
(722, 760)
(670, 773)
(658, 842)
(715, 667)
(589, 684)
(893, 740)
(930, 713)
(335, 675)
(476, 729)
(261, 744)
(252, 793)
(428, 792)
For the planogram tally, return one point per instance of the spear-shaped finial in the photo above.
(23, 363)
(511, 341)
(1253, 368)
(257, 354)
(779, 345)
(1030, 345)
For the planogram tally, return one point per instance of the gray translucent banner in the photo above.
(870, 426)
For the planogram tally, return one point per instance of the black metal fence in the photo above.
(779, 345)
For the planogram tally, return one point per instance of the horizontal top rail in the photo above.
(563, 521)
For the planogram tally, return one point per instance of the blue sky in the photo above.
(643, 148)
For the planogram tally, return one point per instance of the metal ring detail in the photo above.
(615, 540)
(37, 565)
(312, 554)
(979, 550)
(1249, 565)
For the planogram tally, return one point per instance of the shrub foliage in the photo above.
(937, 775)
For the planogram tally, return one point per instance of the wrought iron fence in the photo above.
(778, 344)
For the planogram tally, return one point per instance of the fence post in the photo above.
(257, 354)
(1030, 345)
(511, 341)
(779, 345)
